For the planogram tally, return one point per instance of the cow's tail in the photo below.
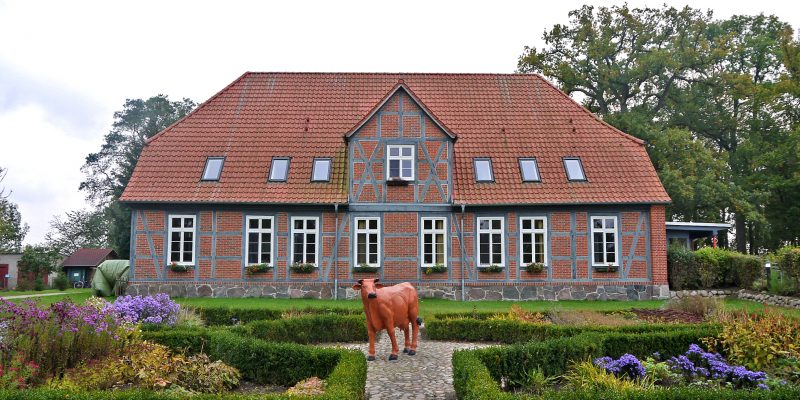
(419, 321)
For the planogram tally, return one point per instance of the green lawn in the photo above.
(5, 293)
(76, 295)
(427, 306)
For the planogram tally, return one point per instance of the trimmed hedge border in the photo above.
(474, 377)
(480, 329)
(309, 329)
(216, 316)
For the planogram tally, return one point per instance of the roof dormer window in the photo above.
(213, 168)
(279, 170)
(529, 170)
(574, 169)
(321, 171)
(483, 170)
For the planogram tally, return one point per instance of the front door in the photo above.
(3, 273)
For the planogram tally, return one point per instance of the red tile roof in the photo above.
(88, 257)
(307, 115)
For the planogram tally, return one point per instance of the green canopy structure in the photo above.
(110, 278)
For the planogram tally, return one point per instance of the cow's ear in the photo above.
(379, 286)
(357, 287)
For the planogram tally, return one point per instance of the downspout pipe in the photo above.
(336, 256)
(463, 262)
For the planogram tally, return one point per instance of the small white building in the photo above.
(9, 270)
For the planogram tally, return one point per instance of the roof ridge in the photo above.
(385, 73)
(203, 104)
(585, 110)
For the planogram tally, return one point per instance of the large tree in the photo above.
(78, 228)
(720, 83)
(12, 229)
(108, 170)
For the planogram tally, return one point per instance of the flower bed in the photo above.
(559, 368)
(97, 351)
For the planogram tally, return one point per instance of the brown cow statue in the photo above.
(388, 308)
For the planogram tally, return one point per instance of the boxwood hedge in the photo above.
(468, 328)
(215, 316)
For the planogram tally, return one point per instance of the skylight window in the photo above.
(574, 169)
(529, 170)
(483, 170)
(279, 170)
(213, 168)
(321, 172)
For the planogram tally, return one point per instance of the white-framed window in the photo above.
(321, 170)
(181, 239)
(400, 159)
(259, 240)
(533, 240)
(529, 169)
(574, 168)
(213, 168)
(483, 170)
(604, 240)
(279, 171)
(491, 244)
(367, 241)
(305, 240)
(434, 241)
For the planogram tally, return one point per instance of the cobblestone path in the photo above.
(426, 375)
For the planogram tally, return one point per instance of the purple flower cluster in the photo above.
(698, 363)
(627, 365)
(158, 309)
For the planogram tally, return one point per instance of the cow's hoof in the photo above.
(370, 358)
(405, 351)
(411, 352)
(393, 357)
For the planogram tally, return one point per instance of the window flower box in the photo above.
(491, 269)
(365, 268)
(535, 267)
(434, 269)
(606, 268)
(175, 267)
(258, 268)
(302, 268)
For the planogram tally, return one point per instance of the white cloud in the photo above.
(43, 164)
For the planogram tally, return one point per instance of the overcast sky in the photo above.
(66, 66)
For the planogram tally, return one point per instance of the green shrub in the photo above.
(703, 307)
(709, 268)
(310, 329)
(189, 341)
(457, 327)
(231, 316)
(682, 267)
(788, 259)
(271, 363)
(61, 282)
(38, 284)
(586, 375)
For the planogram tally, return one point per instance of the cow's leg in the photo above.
(371, 333)
(389, 324)
(415, 323)
(407, 344)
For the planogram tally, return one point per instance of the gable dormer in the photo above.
(400, 153)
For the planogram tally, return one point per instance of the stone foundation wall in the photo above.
(473, 293)
(775, 300)
(703, 293)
